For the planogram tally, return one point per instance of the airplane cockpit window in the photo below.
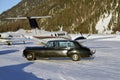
(61, 34)
(10, 36)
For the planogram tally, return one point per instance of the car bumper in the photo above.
(93, 52)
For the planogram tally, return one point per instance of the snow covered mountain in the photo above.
(87, 16)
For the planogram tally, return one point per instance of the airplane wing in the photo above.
(95, 38)
(9, 42)
(17, 18)
(34, 17)
(32, 20)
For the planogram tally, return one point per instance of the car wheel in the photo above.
(30, 56)
(9, 43)
(75, 57)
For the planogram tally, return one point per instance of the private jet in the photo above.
(45, 36)
(37, 33)
(4, 38)
(12, 37)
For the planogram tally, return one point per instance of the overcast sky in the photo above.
(7, 4)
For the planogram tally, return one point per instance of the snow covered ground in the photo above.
(104, 66)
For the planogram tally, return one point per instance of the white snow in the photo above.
(104, 66)
(102, 24)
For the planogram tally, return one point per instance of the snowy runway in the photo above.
(105, 65)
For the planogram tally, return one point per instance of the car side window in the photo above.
(65, 44)
(50, 44)
(70, 44)
(62, 44)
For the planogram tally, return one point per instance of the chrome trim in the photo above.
(93, 51)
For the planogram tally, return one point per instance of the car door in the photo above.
(41, 52)
(54, 50)
(64, 47)
(60, 50)
(46, 52)
(50, 50)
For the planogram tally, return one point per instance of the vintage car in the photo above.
(58, 48)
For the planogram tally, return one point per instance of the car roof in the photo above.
(61, 40)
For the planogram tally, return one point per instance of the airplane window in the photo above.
(55, 34)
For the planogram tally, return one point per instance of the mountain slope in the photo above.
(73, 15)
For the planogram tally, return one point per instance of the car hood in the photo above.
(85, 48)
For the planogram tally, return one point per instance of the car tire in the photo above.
(75, 57)
(9, 43)
(30, 56)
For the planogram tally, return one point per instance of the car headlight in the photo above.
(93, 51)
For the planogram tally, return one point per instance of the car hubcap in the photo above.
(29, 56)
(75, 57)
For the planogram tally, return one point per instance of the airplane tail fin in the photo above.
(33, 23)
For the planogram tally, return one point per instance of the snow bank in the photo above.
(102, 24)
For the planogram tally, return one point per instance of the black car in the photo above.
(58, 48)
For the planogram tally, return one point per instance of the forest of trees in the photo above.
(73, 15)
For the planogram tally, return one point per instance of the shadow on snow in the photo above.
(3, 52)
(16, 72)
(64, 58)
